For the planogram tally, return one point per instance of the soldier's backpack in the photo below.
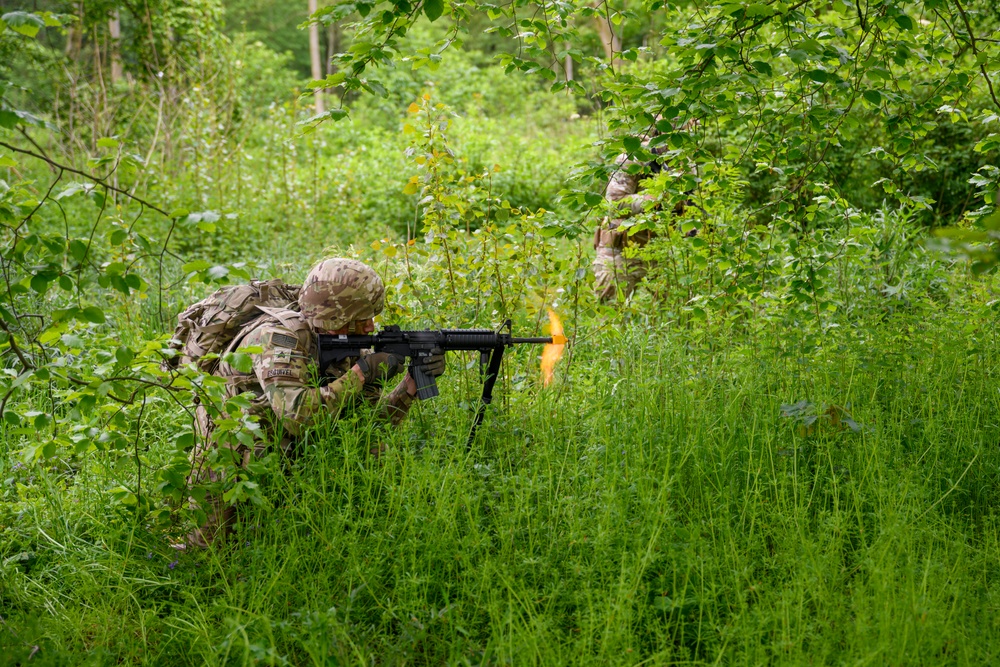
(210, 325)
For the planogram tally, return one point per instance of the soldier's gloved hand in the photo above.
(432, 365)
(380, 366)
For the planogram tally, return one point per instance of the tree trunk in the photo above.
(317, 69)
(115, 28)
(74, 35)
(568, 64)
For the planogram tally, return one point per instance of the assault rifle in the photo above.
(416, 345)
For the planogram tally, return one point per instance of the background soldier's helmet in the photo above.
(339, 291)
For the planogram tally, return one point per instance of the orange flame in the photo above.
(554, 351)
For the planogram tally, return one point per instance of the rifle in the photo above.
(417, 344)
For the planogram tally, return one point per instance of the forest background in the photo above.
(782, 449)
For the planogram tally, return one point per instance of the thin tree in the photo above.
(317, 68)
(115, 28)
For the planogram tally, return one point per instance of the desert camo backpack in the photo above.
(210, 325)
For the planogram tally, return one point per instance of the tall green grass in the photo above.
(653, 507)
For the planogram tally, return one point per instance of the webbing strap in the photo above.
(289, 318)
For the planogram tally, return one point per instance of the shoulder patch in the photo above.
(284, 340)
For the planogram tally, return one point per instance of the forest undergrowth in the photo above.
(809, 477)
(782, 449)
(709, 501)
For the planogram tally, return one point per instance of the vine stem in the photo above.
(975, 52)
(15, 347)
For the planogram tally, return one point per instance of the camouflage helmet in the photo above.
(340, 291)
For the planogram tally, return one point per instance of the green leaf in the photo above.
(107, 142)
(8, 119)
(124, 356)
(195, 266)
(592, 199)
(25, 23)
(40, 282)
(904, 22)
(48, 450)
(241, 362)
(78, 250)
(762, 67)
(218, 272)
(21, 379)
(184, 440)
(756, 10)
(32, 119)
(433, 9)
(872, 97)
(118, 236)
(61, 314)
(237, 403)
(123, 496)
(93, 314)
(819, 76)
(118, 283)
(332, 114)
(42, 421)
(798, 56)
(992, 221)
(632, 143)
(72, 189)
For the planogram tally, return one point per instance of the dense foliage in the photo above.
(778, 450)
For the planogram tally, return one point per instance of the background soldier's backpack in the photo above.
(210, 325)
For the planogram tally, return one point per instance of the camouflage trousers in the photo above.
(220, 514)
(612, 270)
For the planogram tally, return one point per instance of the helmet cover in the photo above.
(339, 291)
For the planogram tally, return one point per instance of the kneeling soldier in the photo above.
(339, 296)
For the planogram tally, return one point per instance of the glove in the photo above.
(380, 366)
(432, 365)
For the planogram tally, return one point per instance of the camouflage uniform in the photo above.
(611, 268)
(282, 378)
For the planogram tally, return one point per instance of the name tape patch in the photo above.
(280, 372)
